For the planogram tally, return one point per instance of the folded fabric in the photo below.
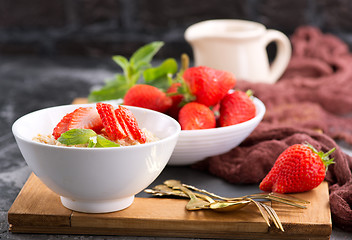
(315, 90)
(310, 103)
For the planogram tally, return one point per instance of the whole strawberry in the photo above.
(299, 168)
(147, 96)
(208, 85)
(176, 98)
(236, 107)
(194, 116)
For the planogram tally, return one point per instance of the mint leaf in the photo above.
(85, 136)
(133, 70)
(114, 89)
(122, 62)
(161, 76)
(92, 142)
(103, 142)
(76, 136)
(142, 66)
(145, 53)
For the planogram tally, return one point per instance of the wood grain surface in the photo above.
(38, 210)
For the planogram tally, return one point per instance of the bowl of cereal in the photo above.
(95, 177)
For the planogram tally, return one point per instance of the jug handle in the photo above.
(283, 53)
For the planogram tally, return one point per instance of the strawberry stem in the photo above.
(323, 156)
(249, 93)
(184, 62)
(184, 89)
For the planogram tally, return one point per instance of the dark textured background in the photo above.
(39, 37)
(99, 28)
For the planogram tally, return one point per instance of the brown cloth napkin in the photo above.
(312, 102)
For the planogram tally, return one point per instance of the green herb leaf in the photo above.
(133, 70)
(103, 142)
(92, 142)
(141, 66)
(76, 136)
(145, 53)
(161, 76)
(85, 136)
(122, 62)
(114, 89)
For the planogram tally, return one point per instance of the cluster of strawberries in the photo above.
(116, 124)
(201, 100)
(195, 102)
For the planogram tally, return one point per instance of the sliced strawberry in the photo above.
(129, 124)
(86, 118)
(112, 126)
(62, 126)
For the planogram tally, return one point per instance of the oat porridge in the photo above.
(103, 126)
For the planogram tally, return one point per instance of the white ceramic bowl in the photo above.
(195, 145)
(96, 180)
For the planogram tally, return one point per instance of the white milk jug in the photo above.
(239, 46)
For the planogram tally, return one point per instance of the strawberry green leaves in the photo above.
(137, 67)
(325, 157)
(85, 136)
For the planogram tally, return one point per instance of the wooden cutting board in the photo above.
(38, 210)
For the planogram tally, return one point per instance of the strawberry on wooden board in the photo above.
(207, 84)
(236, 107)
(129, 123)
(195, 115)
(81, 118)
(147, 96)
(110, 122)
(299, 168)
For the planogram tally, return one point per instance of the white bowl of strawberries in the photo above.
(96, 157)
(213, 116)
(195, 145)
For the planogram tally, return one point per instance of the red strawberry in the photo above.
(207, 84)
(83, 118)
(176, 100)
(299, 168)
(147, 96)
(195, 115)
(86, 118)
(236, 107)
(62, 126)
(129, 123)
(112, 127)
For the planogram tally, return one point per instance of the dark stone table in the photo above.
(28, 84)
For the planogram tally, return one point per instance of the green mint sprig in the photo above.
(137, 69)
(85, 136)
